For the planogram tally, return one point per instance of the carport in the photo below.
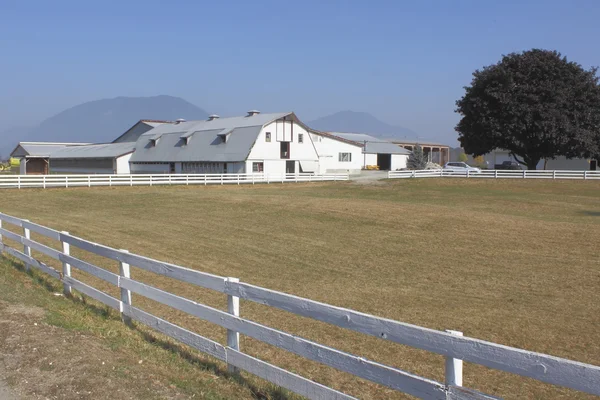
(35, 156)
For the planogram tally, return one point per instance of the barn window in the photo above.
(301, 138)
(257, 167)
(345, 157)
(267, 136)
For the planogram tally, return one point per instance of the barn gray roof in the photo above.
(373, 145)
(218, 140)
(109, 150)
(39, 149)
(422, 142)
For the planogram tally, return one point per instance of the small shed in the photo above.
(34, 156)
(377, 151)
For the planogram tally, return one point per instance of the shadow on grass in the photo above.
(273, 392)
(590, 213)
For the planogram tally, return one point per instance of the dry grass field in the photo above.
(511, 261)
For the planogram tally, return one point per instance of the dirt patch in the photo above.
(41, 361)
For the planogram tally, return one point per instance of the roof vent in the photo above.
(252, 113)
(213, 117)
(179, 120)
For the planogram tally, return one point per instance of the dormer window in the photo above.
(154, 139)
(224, 134)
(186, 137)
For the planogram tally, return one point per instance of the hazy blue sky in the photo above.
(403, 61)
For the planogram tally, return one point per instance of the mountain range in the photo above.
(101, 121)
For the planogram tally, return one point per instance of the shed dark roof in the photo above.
(108, 150)
(40, 149)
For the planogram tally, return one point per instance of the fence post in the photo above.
(130, 180)
(19, 182)
(125, 272)
(554, 174)
(187, 180)
(110, 180)
(44, 181)
(66, 267)
(414, 174)
(233, 337)
(26, 249)
(584, 174)
(496, 173)
(454, 367)
(468, 174)
(66, 181)
(89, 181)
(524, 173)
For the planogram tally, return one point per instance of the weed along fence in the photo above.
(452, 345)
(495, 174)
(66, 181)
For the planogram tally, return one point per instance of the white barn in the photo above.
(256, 143)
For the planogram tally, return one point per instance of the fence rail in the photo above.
(495, 174)
(66, 181)
(451, 344)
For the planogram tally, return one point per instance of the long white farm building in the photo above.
(255, 143)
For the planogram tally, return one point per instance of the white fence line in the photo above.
(452, 345)
(495, 174)
(67, 181)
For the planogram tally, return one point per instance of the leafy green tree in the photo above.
(417, 159)
(462, 157)
(535, 104)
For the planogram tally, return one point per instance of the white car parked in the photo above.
(461, 167)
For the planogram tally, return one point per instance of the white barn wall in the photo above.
(398, 161)
(370, 159)
(269, 152)
(329, 149)
(121, 164)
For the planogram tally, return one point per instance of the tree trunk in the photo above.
(532, 164)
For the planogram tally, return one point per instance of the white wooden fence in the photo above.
(496, 173)
(452, 345)
(66, 181)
